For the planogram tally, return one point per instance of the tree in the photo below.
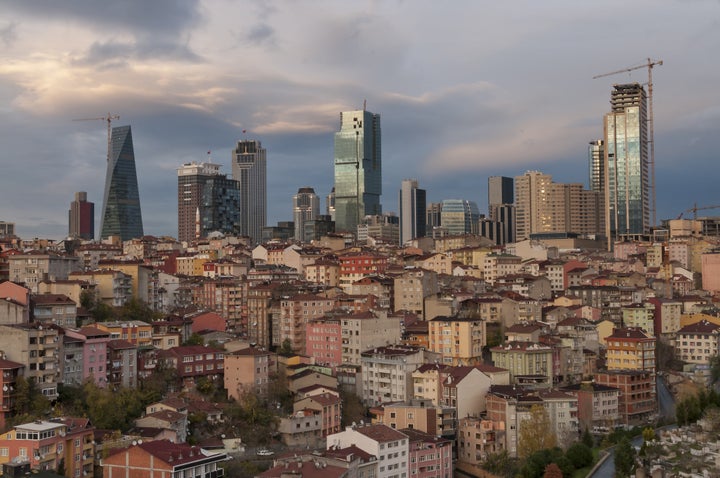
(588, 439)
(580, 455)
(195, 339)
(553, 471)
(624, 458)
(536, 432)
(286, 349)
(500, 464)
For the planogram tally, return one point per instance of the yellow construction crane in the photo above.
(650, 64)
(109, 119)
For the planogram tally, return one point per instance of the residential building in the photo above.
(306, 207)
(249, 169)
(637, 399)
(54, 309)
(358, 169)
(32, 267)
(165, 459)
(121, 214)
(418, 414)
(626, 168)
(479, 438)
(136, 332)
(9, 373)
(543, 206)
(207, 202)
(245, 370)
(48, 444)
(697, 343)
(37, 348)
(363, 331)
(193, 362)
(296, 312)
(630, 348)
(94, 353)
(327, 407)
(527, 362)
(355, 266)
(597, 404)
(387, 373)
(323, 341)
(458, 340)
(81, 217)
(430, 456)
(389, 447)
(412, 287)
(412, 207)
(122, 364)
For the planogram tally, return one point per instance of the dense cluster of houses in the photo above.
(449, 342)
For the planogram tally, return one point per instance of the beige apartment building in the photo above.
(458, 340)
(542, 206)
(245, 370)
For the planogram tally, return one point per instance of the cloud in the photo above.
(8, 33)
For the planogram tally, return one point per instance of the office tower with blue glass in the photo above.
(626, 168)
(121, 214)
(249, 169)
(358, 169)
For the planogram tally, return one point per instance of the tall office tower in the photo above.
(627, 188)
(207, 201)
(358, 169)
(502, 228)
(542, 206)
(121, 214)
(81, 217)
(596, 165)
(501, 209)
(306, 207)
(330, 205)
(460, 216)
(412, 211)
(249, 169)
(500, 191)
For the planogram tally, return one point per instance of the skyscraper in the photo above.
(207, 201)
(249, 169)
(306, 207)
(358, 169)
(627, 188)
(121, 214)
(412, 210)
(81, 217)
(501, 209)
(460, 216)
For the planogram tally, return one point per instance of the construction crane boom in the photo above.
(650, 64)
(109, 119)
(695, 209)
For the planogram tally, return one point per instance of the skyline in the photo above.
(491, 90)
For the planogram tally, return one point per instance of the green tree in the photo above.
(195, 339)
(588, 439)
(580, 455)
(624, 458)
(500, 464)
(536, 432)
(353, 409)
(648, 434)
(286, 349)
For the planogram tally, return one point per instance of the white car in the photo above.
(264, 452)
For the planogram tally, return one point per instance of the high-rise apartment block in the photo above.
(543, 206)
(412, 210)
(81, 217)
(358, 169)
(306, 207)
(626, 168)
(249, 169)
(207, 201)
(121, 214)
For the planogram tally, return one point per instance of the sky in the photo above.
(465, 90)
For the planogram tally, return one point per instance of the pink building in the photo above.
(430, 456)
(323, 341)
(94, 353)
(329, 405)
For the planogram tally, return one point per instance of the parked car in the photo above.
(264, 452)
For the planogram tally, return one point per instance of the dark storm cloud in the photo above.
(112, 54)
(260, 34)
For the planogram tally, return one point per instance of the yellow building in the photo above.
(525, 359)
(458, 340)
(134, 331)
(111, 287)
(630, 349)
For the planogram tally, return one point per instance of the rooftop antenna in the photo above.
(364, 105)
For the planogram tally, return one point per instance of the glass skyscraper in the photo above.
(358, 169)
(626, 165)
(306, 207)
(249, 169)
(121, 214)
(460, 216)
